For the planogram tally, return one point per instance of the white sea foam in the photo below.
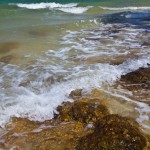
(75, 10)
(125, 8)
(46, 5)
(25, 102)
(68, 8)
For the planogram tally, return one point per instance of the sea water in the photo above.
(49, 48)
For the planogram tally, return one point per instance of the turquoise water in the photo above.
(105, 2)
(48, 49)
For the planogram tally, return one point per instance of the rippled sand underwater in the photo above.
(48, 50)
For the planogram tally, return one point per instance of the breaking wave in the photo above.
(68, 8)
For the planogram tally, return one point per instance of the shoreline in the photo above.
(79, 120)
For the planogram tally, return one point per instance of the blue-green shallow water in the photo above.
(48, 49)
(105, 2)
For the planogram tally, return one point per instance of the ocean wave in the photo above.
(23, 102)
(125, 8)
(75, 10)
(46, 5)
(68, 8)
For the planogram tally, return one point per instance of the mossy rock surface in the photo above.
(113, 133)
(140, 77)
(82, 111)
(76, 93)
(138, 82)
(85, 124)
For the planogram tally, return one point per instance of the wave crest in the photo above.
(46, 5)
(68, 8)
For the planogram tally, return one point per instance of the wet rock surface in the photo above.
(25, 135)
(113, 133)
(84, 124)
(76, 93)
(140, 76)
(83, 111)
(138, 82)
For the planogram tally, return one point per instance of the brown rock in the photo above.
(138, 82)
(142, 75)
(23, 134)
(113, 133)
(76, 93)
(82, 111)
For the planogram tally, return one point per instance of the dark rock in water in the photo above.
(140, 19)
(138, 82)
(82, 111)
(146, 43)
(140, 77)
(113, 133)
(8, 46)
(76, 93)
(24, 83)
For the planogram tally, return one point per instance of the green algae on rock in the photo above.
(113, 133)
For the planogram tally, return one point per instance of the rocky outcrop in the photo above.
(83, 111)
(76, 93)
(138, 82)
(85, 124)
(140, 77)
(113, 133)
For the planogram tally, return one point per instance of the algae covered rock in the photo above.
(23, 134)
(141, 77)
(76, 93)
(82, 111)
(138, 82)
(113, 133)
